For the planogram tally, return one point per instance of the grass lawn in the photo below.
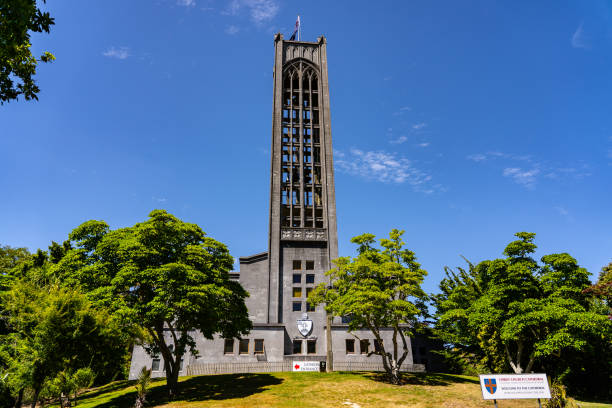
(286, 389)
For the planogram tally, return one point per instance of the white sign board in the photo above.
(514, 386)
(305, 366)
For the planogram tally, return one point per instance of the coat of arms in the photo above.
(490, 385)
(304, 325)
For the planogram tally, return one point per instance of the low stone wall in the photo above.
(268, 367)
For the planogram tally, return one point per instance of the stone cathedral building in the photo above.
(303, 237)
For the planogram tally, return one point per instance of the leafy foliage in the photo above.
(142, 386)
(559, 398)
(17, 64)
(54, 330)
(602, 290)
(379, 288)
(519, 314)
(163, 276)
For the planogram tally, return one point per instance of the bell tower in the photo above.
(303, 234)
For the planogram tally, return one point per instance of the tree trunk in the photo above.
(35, 398)
(19, 399)
(395, 374)
(172, 383)
(329, 367)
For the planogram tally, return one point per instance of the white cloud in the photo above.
(419, 126)
(526, 178)
(579, 39)
(399, 140)
(260, 11)
(338, 154)
(402, 110)
(424, 144)
(186, 3)
(386, 168)
(561, 210)
(477, 157)
(119, 53)
(232, 29)
(512, 168)
(160, 199)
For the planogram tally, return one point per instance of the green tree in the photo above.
(378, 289)
(162, 275)
(602, 289)
(535, 315)
(18, 18)
(458, 292)
(53, 330)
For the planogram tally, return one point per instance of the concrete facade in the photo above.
(303, 231)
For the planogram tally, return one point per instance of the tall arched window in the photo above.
(301, 119)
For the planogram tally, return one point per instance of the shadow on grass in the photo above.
(202, 388)
(114, 386)
(431, 379)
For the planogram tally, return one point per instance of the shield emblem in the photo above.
(490, 385)
(304, 325)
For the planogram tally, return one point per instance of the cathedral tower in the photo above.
(303, 233)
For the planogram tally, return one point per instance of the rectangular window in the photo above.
(308, 290)
(307, 175)
(228, 348)
(310, 307)
(364, 346)
(297, 346)
(346, 319)
(244, 346)
(318, 198)
(297, 306)
(350, 346)
(295, 174)
(317, 155)
(307, 154)
(377, 345)
(297, 278)
(309, 265)
(297, 265)
(307, 197)
(259, 346)
(297, 292)
(310, 278)
(311, 346)
(181, 365)
(155, 363)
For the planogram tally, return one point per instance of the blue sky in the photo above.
(460, 122)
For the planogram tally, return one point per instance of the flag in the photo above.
(297, 27)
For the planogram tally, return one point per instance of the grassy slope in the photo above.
(308, 390)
